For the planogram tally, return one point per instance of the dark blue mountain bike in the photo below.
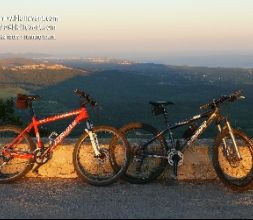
(232, 150)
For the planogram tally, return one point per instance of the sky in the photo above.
(197, 32)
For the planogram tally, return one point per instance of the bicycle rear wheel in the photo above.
(146, 165)
(234, 173)
(12, 169)
(100, 171)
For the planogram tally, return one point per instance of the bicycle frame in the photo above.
(211, 117)
(81, 115)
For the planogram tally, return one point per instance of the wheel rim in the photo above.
(143, 167)
(12, 167)
(101, 169)
(235, 171)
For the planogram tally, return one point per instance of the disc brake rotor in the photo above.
(231, 157)
(103, 157)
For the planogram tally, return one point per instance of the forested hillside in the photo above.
(123, 91)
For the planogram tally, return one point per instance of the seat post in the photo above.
(30, 104)
(165, 114)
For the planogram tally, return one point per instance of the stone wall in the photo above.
(197, 164)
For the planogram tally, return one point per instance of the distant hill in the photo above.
(11, 62)
(23, 55)
(30, 74)
(124, 89)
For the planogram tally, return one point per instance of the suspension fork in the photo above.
(93, 138)
(230, 130)
(223, 140)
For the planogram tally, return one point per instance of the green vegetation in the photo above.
(35, 78)
(7, 113)
(123, 91)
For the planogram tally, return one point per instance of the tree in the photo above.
(7, 113)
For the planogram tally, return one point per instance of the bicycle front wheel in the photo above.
(101, 171)
(148, 162)
(235, 173)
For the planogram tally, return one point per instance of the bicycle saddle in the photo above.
(27, 97)
(24, 101)
(33, 97)
(160, 103)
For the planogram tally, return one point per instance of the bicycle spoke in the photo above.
(105, 168)
(13, 168)
(237, 174)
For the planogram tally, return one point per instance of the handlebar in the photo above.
(216, 102)
(87, 97)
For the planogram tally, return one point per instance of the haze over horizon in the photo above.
(182, 32)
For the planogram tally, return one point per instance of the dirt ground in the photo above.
(58, 198)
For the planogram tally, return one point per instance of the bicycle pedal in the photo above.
(36, 173)
(36, 169)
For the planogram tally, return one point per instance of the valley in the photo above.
(124, 88)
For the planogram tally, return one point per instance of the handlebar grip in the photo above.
(236, 95)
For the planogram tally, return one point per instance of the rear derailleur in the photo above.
(4, 158)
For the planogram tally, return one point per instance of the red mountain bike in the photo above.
(94, 156)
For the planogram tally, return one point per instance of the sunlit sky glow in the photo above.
(140, 29)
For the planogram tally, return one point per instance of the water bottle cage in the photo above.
(52, 136)
(190, 131)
